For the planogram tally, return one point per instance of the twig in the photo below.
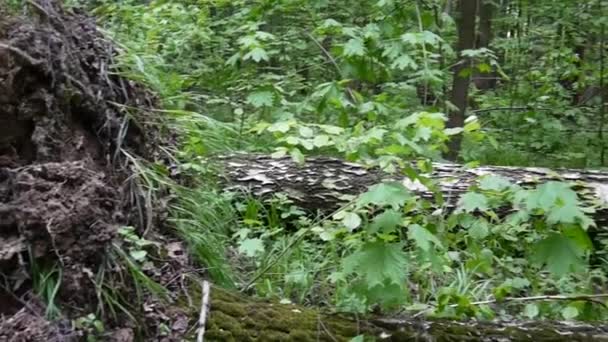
(38, 7)
(587, 298)
(507, 108)
(327, 332)
(333, 61)
(206, 289)
(27, 305)
(53, 243)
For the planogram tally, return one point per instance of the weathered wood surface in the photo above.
(320, 183)
(235, 317)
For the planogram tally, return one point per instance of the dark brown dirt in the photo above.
(63, 188)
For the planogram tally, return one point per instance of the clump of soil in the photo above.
(63, 192)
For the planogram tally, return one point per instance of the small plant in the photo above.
(46, 282)
(92, 326)
(135, 244)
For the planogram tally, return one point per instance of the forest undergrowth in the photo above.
(374, 83)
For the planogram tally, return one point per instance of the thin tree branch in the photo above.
(202, 321)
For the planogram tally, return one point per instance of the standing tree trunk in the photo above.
(485, 80)
(462, 78)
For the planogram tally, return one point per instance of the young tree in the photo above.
(485, 80)
(465, 21)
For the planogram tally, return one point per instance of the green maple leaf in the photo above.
(378, 263)
(411, 38)
(472, 201)
(423, 237)
(560, 254)
(386, 222)
(261, 99)
(494, 183)
(404, 62)
(392, 194)
(559, 202)
(429, 37)
(257, 54)
(250, 247)
(546, 195)
(354, 47)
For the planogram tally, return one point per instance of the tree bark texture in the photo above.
(485, 80)
(234, 317)
(321, 183)
(467, 10)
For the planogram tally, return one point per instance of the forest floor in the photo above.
(73, 133)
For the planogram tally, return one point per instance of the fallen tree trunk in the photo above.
(235, 317)
(321, 183)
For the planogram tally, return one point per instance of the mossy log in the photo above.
(234, 317)
(321, 183)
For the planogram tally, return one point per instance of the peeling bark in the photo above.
(321, 183)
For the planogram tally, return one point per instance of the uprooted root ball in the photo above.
(63, 126)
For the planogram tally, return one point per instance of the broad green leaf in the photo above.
(386, 222)
(280, 152)
(479, 230)
(422, 237)
(321, 141)
(139, 255)
(411, 38)
(531, 310)
(354, 47)
(404, 62)
(423, 133)
(251, 247)
(392, 194)
(560, 254)
(569, 312)
(378, 263)
(429, 37)
(306, 132)
(261, 99)
(333, 130)
(248, 41)
(281, 126)
(257, 54)
(351, 221)
(559, 202)
(297, 156)
(547, 195)
(494, 183)
(472, 201)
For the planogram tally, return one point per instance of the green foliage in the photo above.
(46, 283)
(369, 82)
(92, 326)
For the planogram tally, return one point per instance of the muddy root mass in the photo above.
(62, 178)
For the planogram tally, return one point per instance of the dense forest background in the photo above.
(526, 74)
(399, 87)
